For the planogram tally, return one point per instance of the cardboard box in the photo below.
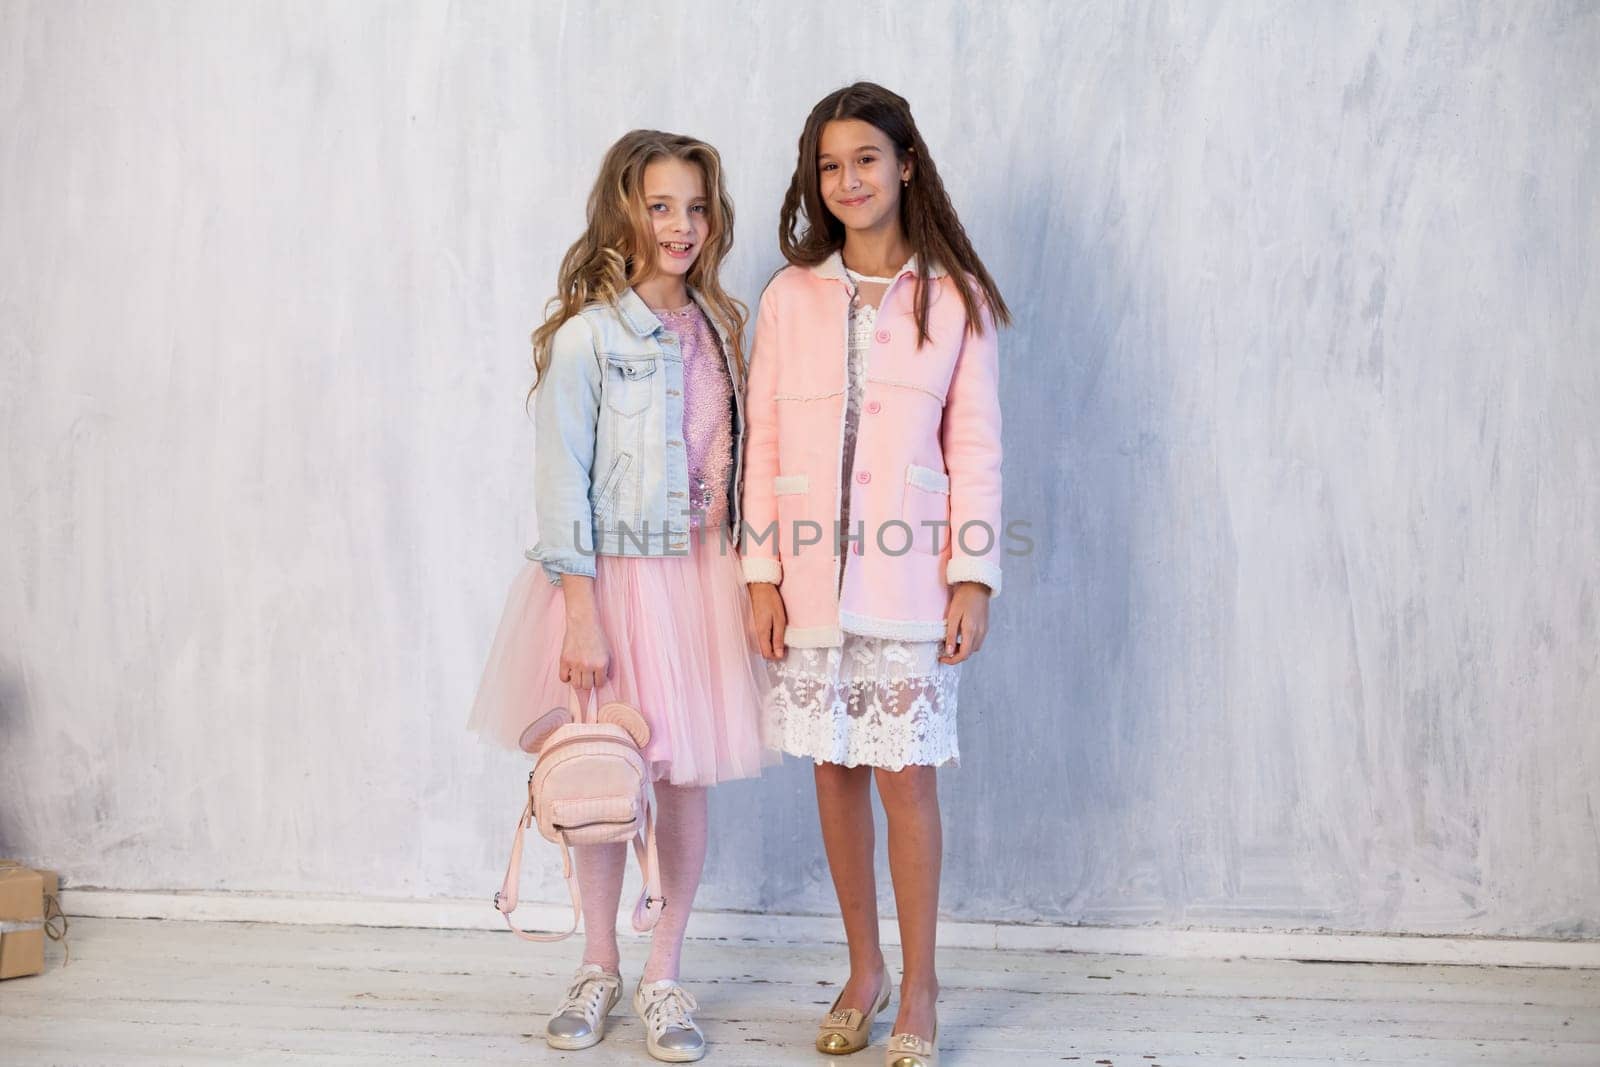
(23, 895)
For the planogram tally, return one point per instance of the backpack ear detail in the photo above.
(539, 731)
(618, 714)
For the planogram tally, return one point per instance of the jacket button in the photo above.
(883, 337)
(873, 407)
(864, 477)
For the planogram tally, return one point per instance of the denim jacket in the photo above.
(612, 475)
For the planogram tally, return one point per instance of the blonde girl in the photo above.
(633, 591)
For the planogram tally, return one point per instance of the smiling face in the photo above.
(859, 174)
(675, 198)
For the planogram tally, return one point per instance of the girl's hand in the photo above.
(585, 656)
(766, 604)
(585, 653)
(966, 622)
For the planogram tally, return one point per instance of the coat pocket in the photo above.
(795, 533)
(605, 494)
(629, 383)
(925, 507)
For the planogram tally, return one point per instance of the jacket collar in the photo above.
(643, 322)
(637, 314)
(716, 324)
(833, 267)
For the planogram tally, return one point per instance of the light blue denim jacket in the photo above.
(611, 472)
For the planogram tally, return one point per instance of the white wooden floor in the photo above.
(155, 991)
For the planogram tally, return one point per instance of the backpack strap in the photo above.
(505, 901)
(651, 903)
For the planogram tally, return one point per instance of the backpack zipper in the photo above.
(597, 822)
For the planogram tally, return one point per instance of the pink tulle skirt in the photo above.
(682, 651)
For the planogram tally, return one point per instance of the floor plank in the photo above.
(154, 991)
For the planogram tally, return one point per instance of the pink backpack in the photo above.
(590, 785)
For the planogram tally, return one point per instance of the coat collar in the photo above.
(643, 322)
(637, 314)
(705, 308)
(833, 267)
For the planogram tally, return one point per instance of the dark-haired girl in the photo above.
(873, 470)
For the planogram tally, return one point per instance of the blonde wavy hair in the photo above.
(617, 249)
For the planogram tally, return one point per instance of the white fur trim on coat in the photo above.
(761, 569)
(813, 637)
(892, 629)
(928, 478)
(833, 267)
(970, 569)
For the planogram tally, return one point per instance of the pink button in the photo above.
(873, 407)
(883, 337)
(864, 477)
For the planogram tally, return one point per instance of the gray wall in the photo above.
(1300, 399)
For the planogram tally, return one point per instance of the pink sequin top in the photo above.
(707, 414)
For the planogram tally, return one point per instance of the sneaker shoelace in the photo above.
(585, 995)
(670, 1009)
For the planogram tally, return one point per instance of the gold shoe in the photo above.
(850, 1030)
(909, 1050)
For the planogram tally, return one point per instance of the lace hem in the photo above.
(873, 702)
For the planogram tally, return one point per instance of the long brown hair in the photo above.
(927, 217)
(617, 248)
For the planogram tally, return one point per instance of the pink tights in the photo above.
(681, 844)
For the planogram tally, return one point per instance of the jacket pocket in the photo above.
(605, 495)
(628, 384)
(793, 509)
(925, 507)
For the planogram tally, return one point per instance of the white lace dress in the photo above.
(874, 701)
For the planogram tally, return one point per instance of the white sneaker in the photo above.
(670, 1033)
(580, 1020)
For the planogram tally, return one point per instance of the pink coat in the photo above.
(927, 452)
